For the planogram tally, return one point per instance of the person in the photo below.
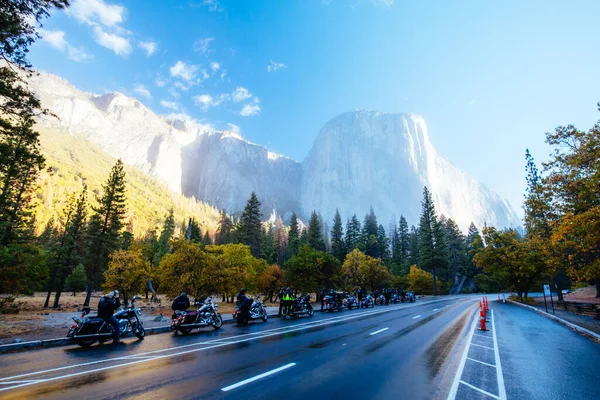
(280, 297)
(106, 307)
(244, 303)
(288, 301)
(322, 297)
(181, 303)
(387, 293)
(360, 293)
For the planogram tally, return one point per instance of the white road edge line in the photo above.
(480, 390)
(481, 362)
(379, 331)
(257, 377)
(499, 375)
(418, 316)
(461, 366)
(279, 331)
(435, 309)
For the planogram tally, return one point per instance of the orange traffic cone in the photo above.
(482, 321)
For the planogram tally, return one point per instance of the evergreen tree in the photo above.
(384, 246)
(293, 237)
(402, 246)
(206, 240)
(194, 230)
(20, 156)
(268, 247)
(65, 256)
(457, 252)
(315, 236)
(166, 234)
(105, 226)
(224, 232)
(370, 235)
(76, 281)
(413, 252)
(428, 230)
(249, 231)
(353, 230)
(304, 237)
(337, 240)
(280, 240)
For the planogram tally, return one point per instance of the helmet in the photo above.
(243, 290)
(183, 294)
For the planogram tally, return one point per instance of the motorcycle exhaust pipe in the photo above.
(92, 335)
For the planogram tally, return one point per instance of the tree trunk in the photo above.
(598, 287)
(48, 297)
(434, 283)
(88, 296)
(57, 297)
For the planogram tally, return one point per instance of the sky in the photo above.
(490, 78)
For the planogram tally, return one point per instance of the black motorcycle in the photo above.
(301, 306)
(410, 297)
(368, 301)
(88, 330)
(331, 303)
(257, 311)
(381, 300)
(351, 303)
(206, 315)
(395, 299)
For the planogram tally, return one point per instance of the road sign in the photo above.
(546, 290)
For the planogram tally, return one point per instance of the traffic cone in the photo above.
(482, 321)
(498, 296)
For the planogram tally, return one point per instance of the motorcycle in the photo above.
(410, 297)
(302, 306)
(368, 301)
(395, 299)
(331, 303)
(257, 311)
(206, 315)
(381, 300)
(87, 330)
(351, 303)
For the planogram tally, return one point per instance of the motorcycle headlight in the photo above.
(77, 320)
(138, 310)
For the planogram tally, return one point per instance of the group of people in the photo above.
(361, 294)
(388, 293)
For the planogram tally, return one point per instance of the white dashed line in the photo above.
(485, 347)
(257, 377)
(418, 316)
(379, 331)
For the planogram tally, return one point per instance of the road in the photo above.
(425, 350)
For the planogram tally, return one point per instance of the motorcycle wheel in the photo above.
(185, 329)
(85, 342)
(311, 312)
(265, 317)
(140, 332)
(218, 323)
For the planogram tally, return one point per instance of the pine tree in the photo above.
(384, 246)
(293, 237)
(195, 232)
(315, 236)
(65, 256)
(413, 252)
(428, 225)
(268, 249)
(457, 252)
(224, 232)
(105, 227)
(166, 234)
(249, 230)
(370, 235)
(280, 240)
(337, 240)
(353, 230)
(304, 237)
(206, 240)
(402, 245)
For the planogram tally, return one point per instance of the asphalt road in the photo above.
(384, 351)
(426, 350)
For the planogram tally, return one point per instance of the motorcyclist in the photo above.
(288, 301)
(244, 304)
(360, 293)
(106, 307)
(180, 303)
(280, 297)
(387, 293)
(322, 297)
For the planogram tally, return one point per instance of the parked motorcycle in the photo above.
(257, 310)
(206, 315)
(368, 301)
(351, 303)
(331, 303)
(410, 297)
(395, 299)
(381, 300)
(87, 330)
(302, 306)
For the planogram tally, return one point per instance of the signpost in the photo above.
(547, 293)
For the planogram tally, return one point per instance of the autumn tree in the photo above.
(128, 272)
(420, 281)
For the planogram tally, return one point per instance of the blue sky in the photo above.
(490, 78)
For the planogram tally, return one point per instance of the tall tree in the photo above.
(280, 240)
(105, 227)
(293, 236)
(384, 246)
(353, 230)
(370, 235)
(428, 225)
(315, 235)
(224, 233)
(249, 230)
(20, 157)
(457, 252)
(195, 232)
(402, 247)
(337, 238)
(66, 255)
(413, 253)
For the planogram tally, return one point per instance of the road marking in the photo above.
(418, 316)
(499, 375)
(489, 337)
(435, 309)
(481, 362)
(485, 347)
(379, 331)
(480, 390)
(463, 360)
(257, 377)
(213, 344)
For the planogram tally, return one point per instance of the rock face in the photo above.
(364, 158)
(359, 159)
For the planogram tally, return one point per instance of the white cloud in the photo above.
(203, 45)
(159, 82)
(233, 128)
(215, 66)
(116, 43)
(240, 94)
(212, 5)
(142, 91)
(171, 105)
(223, 74)
(206, 101)
(93, 11)
(385, 3)
(149, 46)
(274, 66)
(250, 110)
(56, 39)
(183, 70)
